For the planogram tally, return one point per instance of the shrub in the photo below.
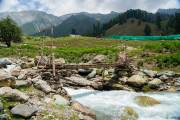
(140, 64)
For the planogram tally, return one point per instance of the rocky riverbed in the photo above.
(30, 92)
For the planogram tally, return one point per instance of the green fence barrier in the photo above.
(170, 37)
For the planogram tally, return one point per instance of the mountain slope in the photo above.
(32, 21)
(97, 16)
(133, 29)
(169, 11)
(80, 22)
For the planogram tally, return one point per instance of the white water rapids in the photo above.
(106, 104)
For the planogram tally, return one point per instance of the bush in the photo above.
(140, 64)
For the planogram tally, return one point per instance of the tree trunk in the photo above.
(8, 44)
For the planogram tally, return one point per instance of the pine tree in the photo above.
(158, 21)
(139, 23)
(147, 30)
(73, 31)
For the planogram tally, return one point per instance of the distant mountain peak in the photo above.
(112, 12)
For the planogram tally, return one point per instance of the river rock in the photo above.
(114, 76)
(122, 73)
(7, 81)
(3, 72)
(123, 80)
(145, 101)
(130, 111)
(160, 74)
(136, 81)
(87, 71)
(60, 61)
(42, 85)
(44, 60)
(163, 78)
(27, 65)
(87, 57)
(169, 74)
(61, 101)
(84, 110)
(154, 83)
(49, 100)
(23, 110)
(176, 75)
(97, 86)
(99, 59)
(18, 68)
(1, 106)
(5, 61)
(152, 74)
(22, 83)
(13, 94)
(146, 70)
(92, 74)
(171, 90)
(22, 77)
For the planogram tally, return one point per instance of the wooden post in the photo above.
(116, 51)
(103, 74)
(126, 54)
(42, 49)
(51, 47)
(53, 64)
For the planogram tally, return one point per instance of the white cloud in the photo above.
(7, 5)
(61, 7)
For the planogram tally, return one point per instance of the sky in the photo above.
(62, 7)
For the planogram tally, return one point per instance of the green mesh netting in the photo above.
(170, 37)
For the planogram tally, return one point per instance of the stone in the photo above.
(152, 74)
(1, 106)
(42, 85)
(13, 94)
(145, 101)
(24, 58)
(49, 100)
(122, 73)
(87, 71)
(3, 72)
(171, 90)
(136, 81)
(60, 100)
(7, 81)
(22, 83)
(106, 73)
(123, 80)
(176, 75)
(99, 59)
(5, 61)
(44, 60)
(3, 117)
(130, 111)
(146, 70)
(163, 78)
(114, 76)
(154, 83)
(18, 68)
(56, 86)
(29, 60)
(60, 61)
(87, 57)
(22, 77)
(160, 74)
(23, 110)
(27, 65)
(140, 74)
(169, 74)
(84, 110)
(92, 74)
(97, 86)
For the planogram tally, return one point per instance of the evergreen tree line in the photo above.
(122, 18)
(175, 23)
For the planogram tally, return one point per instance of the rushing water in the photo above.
(106, 104)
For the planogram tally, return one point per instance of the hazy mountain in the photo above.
(80, 22)
(32, 21)
(169, 11)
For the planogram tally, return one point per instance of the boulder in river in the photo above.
(92, 74)
(145, 101)
(23, 110)
(5, 61)
(129, 112)
(84, 110)
(136, 81)
(154, 83)
(171, 90)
